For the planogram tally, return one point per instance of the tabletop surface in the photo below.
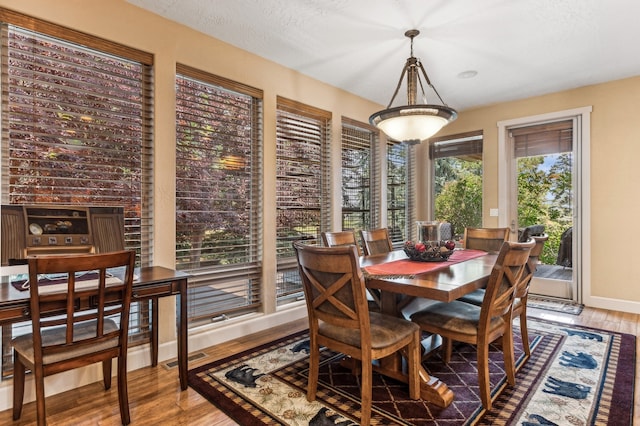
(447, 283)
(143, 277)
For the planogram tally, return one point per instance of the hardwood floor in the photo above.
(155, 397)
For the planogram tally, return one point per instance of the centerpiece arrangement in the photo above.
(429, 251)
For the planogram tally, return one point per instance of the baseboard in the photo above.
(612, 304)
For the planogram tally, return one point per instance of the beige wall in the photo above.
(615, 176)
(614, 130)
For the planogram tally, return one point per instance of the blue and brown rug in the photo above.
(576, 376)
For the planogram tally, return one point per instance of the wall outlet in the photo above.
(493, 212)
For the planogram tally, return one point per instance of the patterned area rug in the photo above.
(556, 305)
(572, 378)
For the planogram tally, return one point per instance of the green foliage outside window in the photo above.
(544, 195)
(458, 193)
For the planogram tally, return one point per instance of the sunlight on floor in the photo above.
(554, 317)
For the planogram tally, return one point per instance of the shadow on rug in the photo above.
(572, 378)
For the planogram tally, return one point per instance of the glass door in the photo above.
(543, 182)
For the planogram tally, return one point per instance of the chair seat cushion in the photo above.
(385, 331)
(459, 317)
(475, 297)
(56, 335)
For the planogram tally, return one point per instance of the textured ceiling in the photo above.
(519, 48)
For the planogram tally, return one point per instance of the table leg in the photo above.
(183, 335)
(431, 388)
(154, 331)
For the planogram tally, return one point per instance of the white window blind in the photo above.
(360, 176)
(302, 186)
(218, 194)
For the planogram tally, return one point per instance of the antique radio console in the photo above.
(46, 229)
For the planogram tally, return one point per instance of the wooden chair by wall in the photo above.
(376, 241)
(340, 319)
(340, 238)
(94, 328)
(487, 239)
(481, 325)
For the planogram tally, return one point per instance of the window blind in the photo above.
(360, 175)
(400, 190)
(77, 129)
(466, 146)
(302, 186)
(218, 194)
(543, 139)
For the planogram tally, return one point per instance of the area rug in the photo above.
(575, 376)
(555, 305)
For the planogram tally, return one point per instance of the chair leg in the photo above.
(18, 387)
(123, 394)
(366, 390)
(314, 369)
(483, 374)
(524, 332)
(414, 366)
(509, 357)
(447, 347)
(106, 373)
(41, 411)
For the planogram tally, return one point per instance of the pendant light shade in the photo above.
(413, 123)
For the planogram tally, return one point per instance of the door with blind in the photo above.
(542, 181)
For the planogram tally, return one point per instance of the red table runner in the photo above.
(406, 267)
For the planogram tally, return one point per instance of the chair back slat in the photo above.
(376, 241)
(341, 238)
(486, 239)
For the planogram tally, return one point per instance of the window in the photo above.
(76, 129)
(456, 163)
(218, 194)
(302, 186)
(400, 192)
(360, 197)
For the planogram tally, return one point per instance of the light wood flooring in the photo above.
(155, 397)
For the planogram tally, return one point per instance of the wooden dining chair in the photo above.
(522, 292)
(340, 238)
(481, 325)
(95, 292)
(487, 239)
(339, 319)
(376, 241)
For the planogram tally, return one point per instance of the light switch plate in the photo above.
(493, 212)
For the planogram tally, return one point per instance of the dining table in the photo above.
(396, 279)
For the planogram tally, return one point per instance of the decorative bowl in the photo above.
(429, 251)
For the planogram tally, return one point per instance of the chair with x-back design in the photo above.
(339, 319)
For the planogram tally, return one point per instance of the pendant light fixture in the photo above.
(413, 123)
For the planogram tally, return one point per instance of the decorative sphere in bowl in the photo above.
(427, 251)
